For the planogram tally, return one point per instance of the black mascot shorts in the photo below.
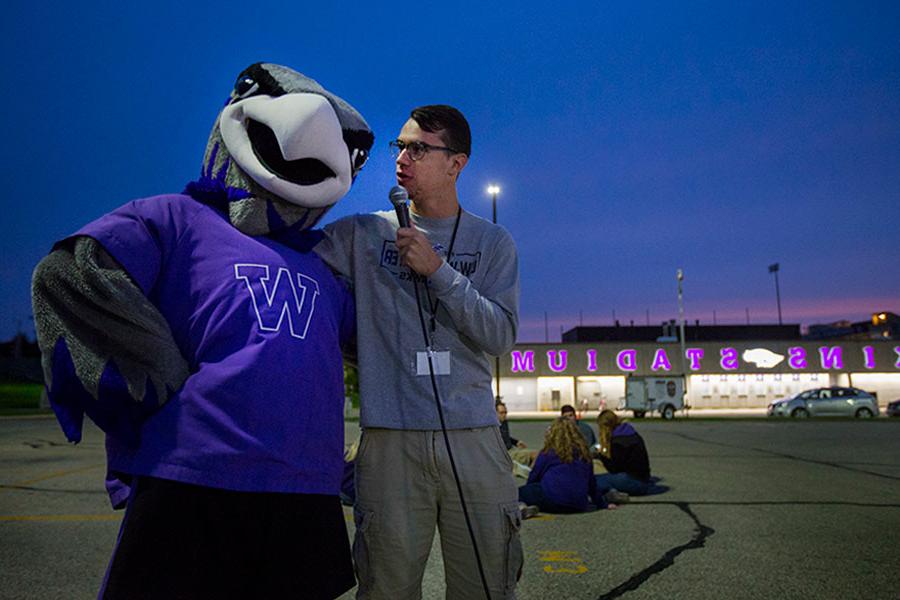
(185, 541)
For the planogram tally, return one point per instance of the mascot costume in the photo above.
(199, 332)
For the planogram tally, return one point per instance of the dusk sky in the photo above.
(629, 139)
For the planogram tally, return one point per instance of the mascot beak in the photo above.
(292, 145)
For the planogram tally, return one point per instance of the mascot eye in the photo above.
(359, 159)
(245, 86)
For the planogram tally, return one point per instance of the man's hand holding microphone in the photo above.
(416, 251)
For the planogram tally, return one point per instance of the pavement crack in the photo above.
(778, 503)
(40, 443)
(701, 532)
(27, 488)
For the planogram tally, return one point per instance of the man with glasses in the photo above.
(466, 272)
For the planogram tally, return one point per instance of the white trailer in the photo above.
(647, 394)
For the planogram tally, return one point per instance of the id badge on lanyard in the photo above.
(440, 360)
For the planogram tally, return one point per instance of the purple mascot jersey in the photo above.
(198, 330)
(253, 318)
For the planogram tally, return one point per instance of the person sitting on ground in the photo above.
(562, 479)
(624, 454)
(517, 449)
(568, 412)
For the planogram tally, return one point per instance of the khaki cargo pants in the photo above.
(405, 487)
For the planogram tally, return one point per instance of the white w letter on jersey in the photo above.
(278, 301)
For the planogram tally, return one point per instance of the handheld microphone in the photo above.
(399, 198)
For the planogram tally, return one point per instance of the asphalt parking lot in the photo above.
(757, 509)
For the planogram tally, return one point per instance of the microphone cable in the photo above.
(395, 196)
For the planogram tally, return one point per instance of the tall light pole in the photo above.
(679, 274)
(774, 269)
(493, 190)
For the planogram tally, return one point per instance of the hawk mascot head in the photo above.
(282, 151)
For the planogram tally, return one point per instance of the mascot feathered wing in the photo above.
(135, 306)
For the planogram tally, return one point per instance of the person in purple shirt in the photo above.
(202, 335)
(562, 478)
(624, 454)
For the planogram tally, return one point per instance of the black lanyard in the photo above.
(433, 308)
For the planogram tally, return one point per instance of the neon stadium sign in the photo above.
(626, 360)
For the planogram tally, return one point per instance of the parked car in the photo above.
(893, 409)
(827, 402)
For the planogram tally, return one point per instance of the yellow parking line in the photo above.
(576, 570)
(60, 518)
(51, 476)
(562, 561)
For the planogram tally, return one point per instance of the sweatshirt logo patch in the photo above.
(465, 263)
(284, 298)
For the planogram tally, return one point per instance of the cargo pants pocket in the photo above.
(507, 459)
(514, 555)
(363, 519)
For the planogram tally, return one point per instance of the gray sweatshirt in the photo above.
(478, 293)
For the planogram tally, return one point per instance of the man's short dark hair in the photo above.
(566, 408)
(499, 403)
(448, 123)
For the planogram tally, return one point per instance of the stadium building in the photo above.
(724, 366)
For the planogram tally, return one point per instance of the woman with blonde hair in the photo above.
(624, 454)
(562, 479)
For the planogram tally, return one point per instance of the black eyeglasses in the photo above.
(416, 150)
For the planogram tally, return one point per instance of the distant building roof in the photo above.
(19, 346)
(883, 325)
(669, 332)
